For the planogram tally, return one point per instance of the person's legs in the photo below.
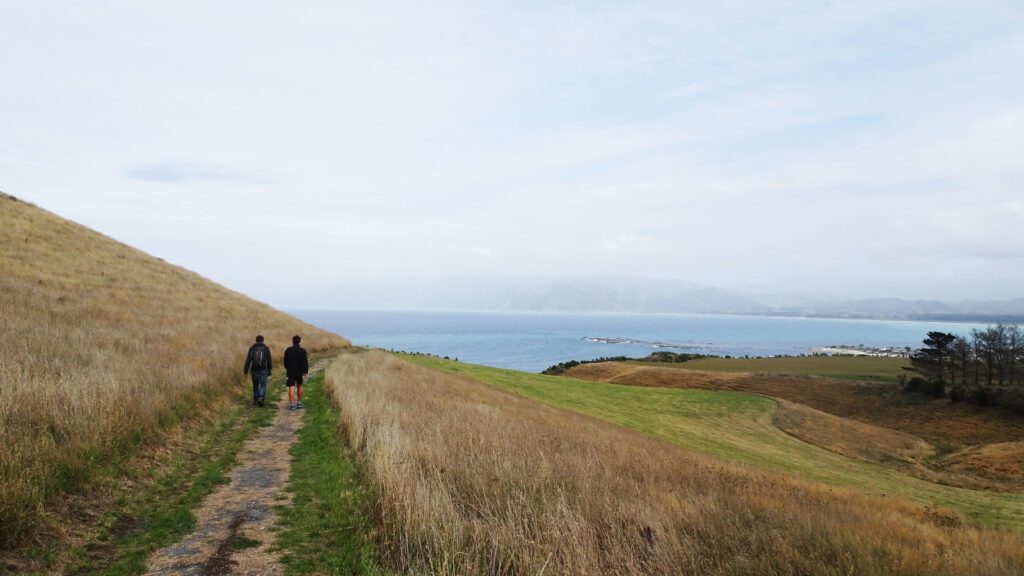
(263, 387)
(299, 391)
(255, 387)
(291, 383)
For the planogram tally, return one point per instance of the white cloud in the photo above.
(752, 143)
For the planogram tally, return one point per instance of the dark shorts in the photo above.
(294, 381)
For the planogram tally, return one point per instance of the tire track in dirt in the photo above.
(234, 524)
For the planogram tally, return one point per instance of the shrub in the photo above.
(936, 388)
(915, 384)
(1003, 397)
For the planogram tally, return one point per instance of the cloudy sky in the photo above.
(843, 148)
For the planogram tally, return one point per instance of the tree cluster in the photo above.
(986, 367)
(672, 357)
(563, 367)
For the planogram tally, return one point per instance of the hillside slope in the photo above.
(469, 478)
(743, 427)
(976, 446)
(105, 346)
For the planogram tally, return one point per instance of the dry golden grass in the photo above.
(849, 437)
(904, 452)
(105, 346)
(470, 479)
(740, 427)
(1001, 461)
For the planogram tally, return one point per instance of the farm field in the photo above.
(874, 368)
(949, 427)
(738, 426)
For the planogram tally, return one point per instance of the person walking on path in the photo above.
(296, 364)
(258, 364)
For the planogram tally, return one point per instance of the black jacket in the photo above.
(296, 362)
(248, 358)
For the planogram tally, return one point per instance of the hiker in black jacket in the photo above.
(257, 363)
(296, 364)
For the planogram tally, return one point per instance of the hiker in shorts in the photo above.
(257, 363)
(296, 364)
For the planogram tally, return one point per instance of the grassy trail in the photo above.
(737, 426)
(327, 529)
(157, 509)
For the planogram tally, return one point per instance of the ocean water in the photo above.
(534, 341)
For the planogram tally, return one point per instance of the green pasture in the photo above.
(738, 427)
(874, 368)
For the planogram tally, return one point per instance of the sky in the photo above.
(850, 149)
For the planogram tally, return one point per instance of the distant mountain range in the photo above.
(619, 293)
(900, 309)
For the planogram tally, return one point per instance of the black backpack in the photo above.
(259, 357)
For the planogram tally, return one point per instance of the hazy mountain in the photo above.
(627, 294)
(873, 307)
(622, 293)
(901, 309)
(1015, 306)
(610, 293)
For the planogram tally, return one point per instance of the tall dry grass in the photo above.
(103, 347)
(472, 480)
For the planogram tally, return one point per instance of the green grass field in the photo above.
(738, 427)
(872, 368)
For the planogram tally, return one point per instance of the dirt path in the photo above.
(233, 533)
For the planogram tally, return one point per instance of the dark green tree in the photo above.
(1015, 348)
(960, 360)
(934, 358)
(992, 351)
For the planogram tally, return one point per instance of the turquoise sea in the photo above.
(534, 341)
